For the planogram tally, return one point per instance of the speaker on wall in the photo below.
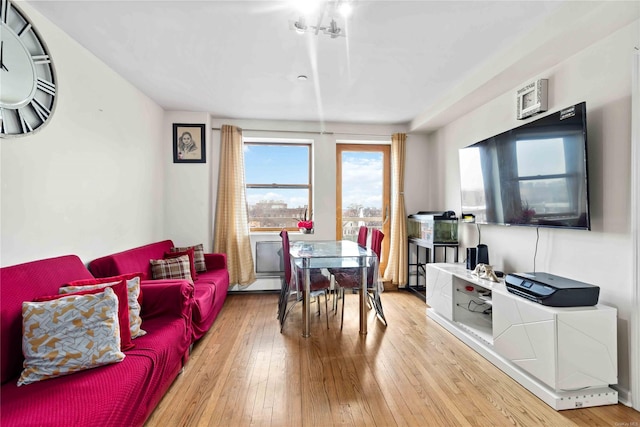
(482, 254)
(471, 258)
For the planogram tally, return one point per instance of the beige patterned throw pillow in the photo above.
(68, 335)
(133, 292)
(198, 256)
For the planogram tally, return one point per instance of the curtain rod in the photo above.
(313, 132)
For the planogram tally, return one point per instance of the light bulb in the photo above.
(306, 7)
(345, 9)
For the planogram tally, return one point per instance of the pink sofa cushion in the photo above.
(132, 260)
(122, 394)
(214, 281)
(44, 277)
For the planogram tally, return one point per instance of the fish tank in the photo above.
(433, 227)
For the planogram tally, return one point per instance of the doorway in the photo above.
(363, 191)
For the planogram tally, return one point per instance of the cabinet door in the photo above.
(524, 332)
(439, 285)
(587, 349)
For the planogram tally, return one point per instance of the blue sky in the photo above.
(362, 174)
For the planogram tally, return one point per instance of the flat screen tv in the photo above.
(532, 175)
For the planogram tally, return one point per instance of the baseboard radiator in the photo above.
(269, 262)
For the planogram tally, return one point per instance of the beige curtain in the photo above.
(396, 270)
(231, 234)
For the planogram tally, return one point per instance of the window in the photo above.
(544, 180)
(278, 183)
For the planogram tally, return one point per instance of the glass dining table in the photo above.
(307, 255)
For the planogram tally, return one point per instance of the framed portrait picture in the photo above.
(188, 143)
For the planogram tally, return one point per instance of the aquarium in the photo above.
(433, 227)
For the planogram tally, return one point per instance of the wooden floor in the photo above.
(411, 373)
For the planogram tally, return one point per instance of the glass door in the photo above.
(363, 187)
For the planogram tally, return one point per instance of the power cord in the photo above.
(478, 227)
(535, 254)
(482, 306)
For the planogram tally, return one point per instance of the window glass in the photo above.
(541, 157)
(277, 177)
(543, 178)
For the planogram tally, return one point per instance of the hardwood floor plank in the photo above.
(244, 372)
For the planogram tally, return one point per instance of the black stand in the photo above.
(417, 269)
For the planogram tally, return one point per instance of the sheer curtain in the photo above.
(231, 234)
(396, 267)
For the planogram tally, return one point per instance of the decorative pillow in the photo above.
(96, 280)
(68, 335)
(120, 289)
(198, 256)
(134, 292)
(190, 253)
(173, 268)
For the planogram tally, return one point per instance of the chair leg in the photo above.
(342, 315)
(326, 307)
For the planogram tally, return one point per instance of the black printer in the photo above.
(554, 291)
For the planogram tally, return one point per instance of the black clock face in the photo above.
(27, 76)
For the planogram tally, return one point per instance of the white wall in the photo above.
(601, 76)
(189, 200)
(91, 181)
(181, 207)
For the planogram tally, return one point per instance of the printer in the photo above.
(551, 290)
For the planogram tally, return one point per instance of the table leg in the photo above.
(363, 302)
(306, 305)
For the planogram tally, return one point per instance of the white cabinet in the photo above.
(439, 286)
(567, 356)
(566, 348)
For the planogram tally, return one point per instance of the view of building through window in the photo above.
(278, 183)
(361, 190)
(278, 187)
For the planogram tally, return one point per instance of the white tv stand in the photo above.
(567, 356)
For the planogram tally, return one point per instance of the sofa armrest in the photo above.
(216, 261)
(167, 297)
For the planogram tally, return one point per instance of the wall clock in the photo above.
(532, 99)
(27, 76)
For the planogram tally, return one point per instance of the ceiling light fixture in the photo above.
(333, 30)
(300, 25)
(330, 9)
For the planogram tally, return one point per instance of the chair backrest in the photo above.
(362, 236)
(376, 241)
(286, 258)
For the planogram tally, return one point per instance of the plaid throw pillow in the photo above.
(198, 256)
(173, 268)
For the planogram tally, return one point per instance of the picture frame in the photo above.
(532, 99)
(189, 143)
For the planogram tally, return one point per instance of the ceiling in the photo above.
(241, 59)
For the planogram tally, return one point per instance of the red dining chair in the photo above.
(374, 294)
(362, 236)
(292, 286)
(350, 277)
(362, 241)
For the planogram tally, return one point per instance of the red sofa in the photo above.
(211, 286)
(119, 394)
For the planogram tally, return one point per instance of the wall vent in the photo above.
(269, 260)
